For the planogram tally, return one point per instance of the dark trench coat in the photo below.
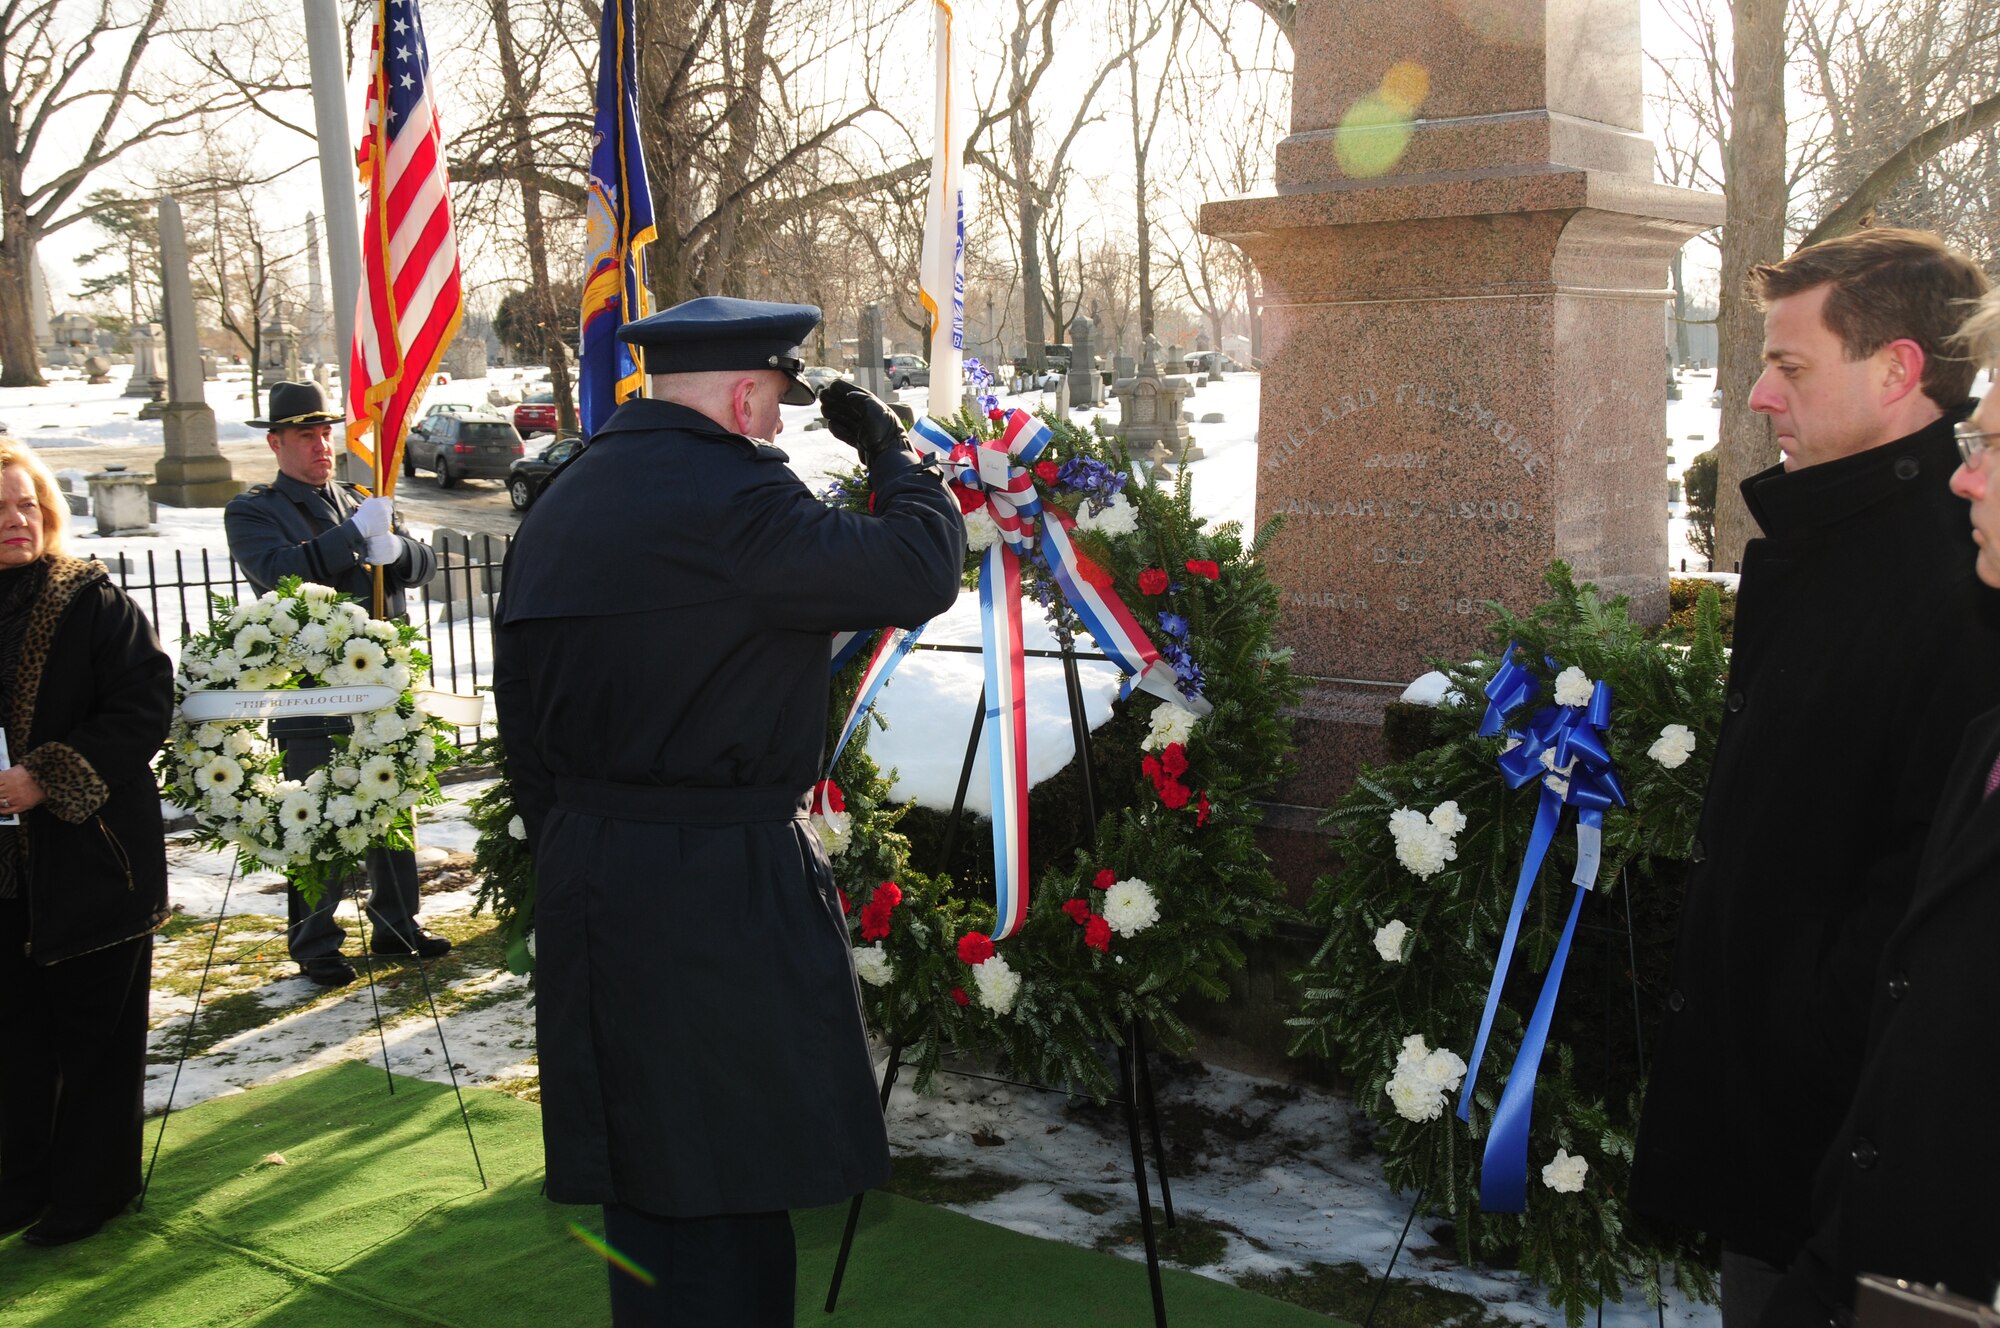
(661, 673)
(1864, 645)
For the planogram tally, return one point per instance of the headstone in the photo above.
(145, 364)
(192, 472)
(118, 497)
(318, 329)
(1085, 388)
(38, 305)
(869, 371)
(278, 349)
(1457, 377)
(1123, 366)
(208, 374)
(1149, 411)
(97, 369)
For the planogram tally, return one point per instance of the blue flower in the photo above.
(1174, 625)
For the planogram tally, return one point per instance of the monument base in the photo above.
(193, 473)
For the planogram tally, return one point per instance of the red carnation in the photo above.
(1046, 471)
(1174, 760)
(827, 797)
(975, 947)
(996, 415)
(1106, 879)
(1154, 771)
(1092, 573)
(890, 891)
(1201, 811)
(846, 904)
(1204, 569)
(1097, 935)
(1152, 581)
(969, 500)
(1174, 794)
(958, 994)
(1079, 911)
(875, 914)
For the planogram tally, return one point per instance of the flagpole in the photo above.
(942, 267)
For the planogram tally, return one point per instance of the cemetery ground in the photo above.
(1276, 1185)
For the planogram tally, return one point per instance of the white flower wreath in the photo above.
(231, 775)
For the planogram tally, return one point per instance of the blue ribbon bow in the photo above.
(1563, 746)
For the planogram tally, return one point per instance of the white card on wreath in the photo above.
(12, 818)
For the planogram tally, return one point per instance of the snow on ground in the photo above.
(1292, 1184)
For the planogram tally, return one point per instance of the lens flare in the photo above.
(611, 1256)
(1372, 137)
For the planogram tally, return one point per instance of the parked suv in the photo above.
(908, 371)
(529, 475)
(478, 444)
(536, 414)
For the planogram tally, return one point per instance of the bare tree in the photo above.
(79, 93)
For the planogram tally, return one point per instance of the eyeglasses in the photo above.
(1973, 442)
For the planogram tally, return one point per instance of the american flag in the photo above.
(411, 299)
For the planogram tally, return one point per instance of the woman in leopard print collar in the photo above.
(85, 697)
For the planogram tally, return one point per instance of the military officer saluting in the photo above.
(661, 677)
(307, 524)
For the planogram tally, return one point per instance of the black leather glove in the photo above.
(860, 419)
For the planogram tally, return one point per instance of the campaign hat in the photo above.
(296, 405)
(720, 332)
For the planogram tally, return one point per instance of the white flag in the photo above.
(941, 271)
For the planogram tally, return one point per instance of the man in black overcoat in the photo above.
(307, 524)
(1860, 655)
(661, 673)
(1907, 1187)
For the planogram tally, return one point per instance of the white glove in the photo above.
(373, 517)
(382, 549)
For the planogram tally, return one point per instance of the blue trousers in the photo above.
(737, 1270)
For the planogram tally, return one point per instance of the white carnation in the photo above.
(378, 630)
(1130, 908)
(1423, 1079)
(397, 676)
(998, 984)
(1171, 724)
(835, 831)
(873, 964)
(223, 665)
(342, 809)
(1565, 1174)
(982, 532)
(240, 742)
(210, 735)
(346, 776)
(1389, 940)
(284, 624)
(1573, 687)
(1420, 846)
(387, 727)
(1119, 517)
(517, 828)
(1673, 747)
(312, 639)
(314, 592)
(1448, 818)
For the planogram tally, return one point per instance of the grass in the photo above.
(1192, 1241)
(932, 1181)
(1345, 1291)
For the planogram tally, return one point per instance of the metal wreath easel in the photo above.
(1135, 1077)
(367, 967)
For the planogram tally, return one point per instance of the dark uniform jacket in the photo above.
(289, 528)
(661, 674)
(91, 702)
(1861, 652)
(1908, 1187)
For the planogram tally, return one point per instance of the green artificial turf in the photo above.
(375, 1217)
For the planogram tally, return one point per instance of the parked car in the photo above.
(529, 475)
(908, 371)
(1202, 361)
(447, 408)
(536, 414)
(455, 446)
(817, 376)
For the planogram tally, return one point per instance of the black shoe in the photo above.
(18, 1213)
(427, 945)
(54, 1230)
(331, 972)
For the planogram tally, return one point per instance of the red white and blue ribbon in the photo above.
(894, 644)
(997, 475)
(1563, 747)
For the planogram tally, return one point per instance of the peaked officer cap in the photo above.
(719, 332)
(296, 405)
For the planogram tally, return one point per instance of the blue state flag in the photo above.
(621, 224)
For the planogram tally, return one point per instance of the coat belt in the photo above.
(682, 805)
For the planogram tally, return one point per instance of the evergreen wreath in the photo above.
(1429, 851)
(231, 775)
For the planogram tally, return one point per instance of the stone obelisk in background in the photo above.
(1464, 271)
(193, 473)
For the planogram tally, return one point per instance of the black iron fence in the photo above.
(454, 611)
